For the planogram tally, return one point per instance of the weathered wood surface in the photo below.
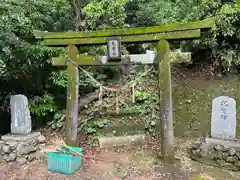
(207, 23)
(165, 99)
(187, 34)
(128, 35)
(72, 98)
(108, 142)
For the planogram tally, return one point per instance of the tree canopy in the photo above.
(25, 63)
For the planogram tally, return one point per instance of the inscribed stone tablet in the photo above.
(223, 122)
(20, 115)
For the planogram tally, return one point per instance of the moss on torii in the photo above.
(128, 35)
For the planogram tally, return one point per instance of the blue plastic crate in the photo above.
(65, 163)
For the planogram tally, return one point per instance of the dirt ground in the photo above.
(128, 163)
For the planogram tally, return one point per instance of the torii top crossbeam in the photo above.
(188, 30)
(160, 34)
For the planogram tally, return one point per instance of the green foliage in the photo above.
(57, 121)
(142, 96)
(93, 126)
(25, 65)
(92, 131)
(105, 14)
(223, 45)
(145, 102)
(41, 106)
(197, 178)
(18, 20)
(59, 78)
(226, 51)
(150, 126)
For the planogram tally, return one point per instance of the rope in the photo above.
(107, 88)
(92, 78)
(135, 80)
(102, 87)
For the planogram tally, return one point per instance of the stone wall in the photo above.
(224, 154)
(21, 148)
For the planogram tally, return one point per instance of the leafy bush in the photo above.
(25, 66)
(222, 47)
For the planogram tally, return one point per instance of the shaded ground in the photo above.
(138, 163)
(122, 163)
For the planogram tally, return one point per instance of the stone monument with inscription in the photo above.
(223, 122)
(20, 115)
(222, 149)
(21, 145)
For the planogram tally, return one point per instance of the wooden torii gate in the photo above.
(161, 35)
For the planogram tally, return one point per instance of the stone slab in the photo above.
(107, 142)
(20, 115)
(20, 137)
(227, 144)
(223, 121)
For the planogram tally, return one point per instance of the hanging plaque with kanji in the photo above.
(114, 49)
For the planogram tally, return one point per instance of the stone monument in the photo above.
(20, 115)
(222, 149)
(21, 145)
(223, 122)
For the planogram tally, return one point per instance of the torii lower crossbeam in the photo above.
(161, 35)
